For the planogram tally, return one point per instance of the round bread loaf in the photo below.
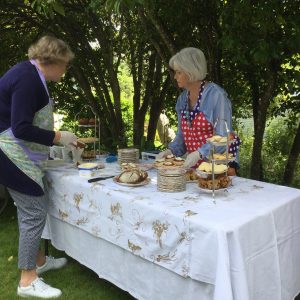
(133, 176)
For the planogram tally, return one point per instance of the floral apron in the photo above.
(30, 157)
(196, 129)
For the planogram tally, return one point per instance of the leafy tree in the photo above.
(258, 39)
(252, 50)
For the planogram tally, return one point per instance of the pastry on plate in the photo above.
(159, 162)
(87, 140)
(83, 121)
(222, 156)
(168, 164)
(220, 182)
(132, 176)
(170, 157)
(218, 139)
(178, 161)
(128, 166)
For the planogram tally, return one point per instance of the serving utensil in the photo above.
(99, 178)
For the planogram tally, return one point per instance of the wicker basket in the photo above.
(171, 180)
(128, 155)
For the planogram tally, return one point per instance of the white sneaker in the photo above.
(51, 264)
(38, 288)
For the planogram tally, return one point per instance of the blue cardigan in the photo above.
(22, 94)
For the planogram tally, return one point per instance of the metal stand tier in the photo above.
(214, 161)
(95, 127)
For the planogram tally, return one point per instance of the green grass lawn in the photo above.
(75, 280)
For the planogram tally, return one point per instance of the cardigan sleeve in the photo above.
(28, 95)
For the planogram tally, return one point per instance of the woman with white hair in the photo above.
(199, 107)
(26, 133)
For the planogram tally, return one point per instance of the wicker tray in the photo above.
(128, 155)
(171, 180)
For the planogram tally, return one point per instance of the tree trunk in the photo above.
(260, 107)
(168, 42)
(292, 159)
(155, 111)
(140, 109)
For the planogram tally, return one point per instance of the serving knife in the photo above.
(99, 178)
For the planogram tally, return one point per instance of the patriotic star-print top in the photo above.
(196, 125)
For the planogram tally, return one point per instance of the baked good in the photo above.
(88, 154)
(220, 182)
(83, 121)
(86, 140)
(92, 121)
(220, 168)
(207, 167)
(132, 176)
(178, 161)
(168, 163)
(218, 139)
(128, 166)
(170, 157)
(159, 162)
(222, 156)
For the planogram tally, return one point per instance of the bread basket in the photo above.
(128, 155)
(171, 180)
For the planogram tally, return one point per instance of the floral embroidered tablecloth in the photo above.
(222, 244)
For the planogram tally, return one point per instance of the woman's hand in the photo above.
(65, 138)
(192, 159)
(164, 154)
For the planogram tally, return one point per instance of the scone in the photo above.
(204, 166)
(170, 157)
(168, 164)
(178, 161)
(159, 162)
(220, 169)
(128, 166)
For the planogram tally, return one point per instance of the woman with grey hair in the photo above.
(199, 107)
(26, 133)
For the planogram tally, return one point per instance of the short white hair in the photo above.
(190, 61)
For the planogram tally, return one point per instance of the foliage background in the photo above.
(121, 72)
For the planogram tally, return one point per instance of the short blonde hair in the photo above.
(190, 61)
(50, 50)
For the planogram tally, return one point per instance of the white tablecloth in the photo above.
(247, 245)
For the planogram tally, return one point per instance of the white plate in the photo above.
(207, 191)
(224, 161)
(219, 143)
(192, 181)
(146, 181)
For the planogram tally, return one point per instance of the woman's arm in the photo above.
(28, 96)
